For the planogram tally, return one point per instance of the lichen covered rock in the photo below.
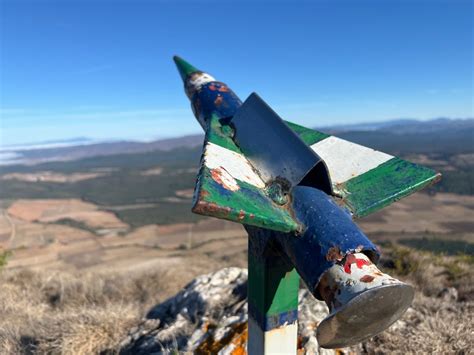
(210, 316)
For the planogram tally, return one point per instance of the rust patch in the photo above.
(209, 208)
(334, 254)
(366, 278)
(223, 178)
(203, 194)
(223, 88)
(218, 101)
(325, 290)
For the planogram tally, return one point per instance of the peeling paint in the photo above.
(222, 177)
(236, 165)
(334, 254)
(196, 81)
(329, 235)
(389, 182)
(218, 101)
(349, 277)
(362, 303)
(206, 208)
(248, 205)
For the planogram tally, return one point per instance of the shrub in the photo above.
(4, 258)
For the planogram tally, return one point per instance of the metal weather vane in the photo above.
(296, 191)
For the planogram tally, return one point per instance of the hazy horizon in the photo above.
(80, 140)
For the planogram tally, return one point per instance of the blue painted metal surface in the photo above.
(329, 235)
(214, 98)
(267, 323)
(273, 148)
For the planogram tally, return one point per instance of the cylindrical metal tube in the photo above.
(363, 301)
(330, 235)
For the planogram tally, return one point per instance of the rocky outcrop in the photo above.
(210, 316)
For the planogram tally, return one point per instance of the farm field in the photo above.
(71, 234)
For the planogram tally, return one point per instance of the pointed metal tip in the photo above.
(184, 67)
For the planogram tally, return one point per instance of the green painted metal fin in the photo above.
(228, 187)
(387, 183)
(307, 135)
(365, 179)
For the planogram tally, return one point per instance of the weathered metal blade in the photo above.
(273, 149)
(228, 187)
(365, 179)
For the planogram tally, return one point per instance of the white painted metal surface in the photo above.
(357, 275)
(346, 160)
(235, 164)
(282, 340)
(195, 81)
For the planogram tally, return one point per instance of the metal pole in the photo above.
(273, 285)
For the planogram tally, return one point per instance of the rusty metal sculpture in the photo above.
(296, 191)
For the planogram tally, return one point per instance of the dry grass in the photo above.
(52, 312)
(75, 313)
(431, 326)
(440, 319)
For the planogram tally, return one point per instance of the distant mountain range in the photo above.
(393, 136)
(40, 153)
(406, 125)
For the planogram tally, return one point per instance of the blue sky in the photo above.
(104, 69)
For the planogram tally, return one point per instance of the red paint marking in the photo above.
(351, 259)
(367, 278)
